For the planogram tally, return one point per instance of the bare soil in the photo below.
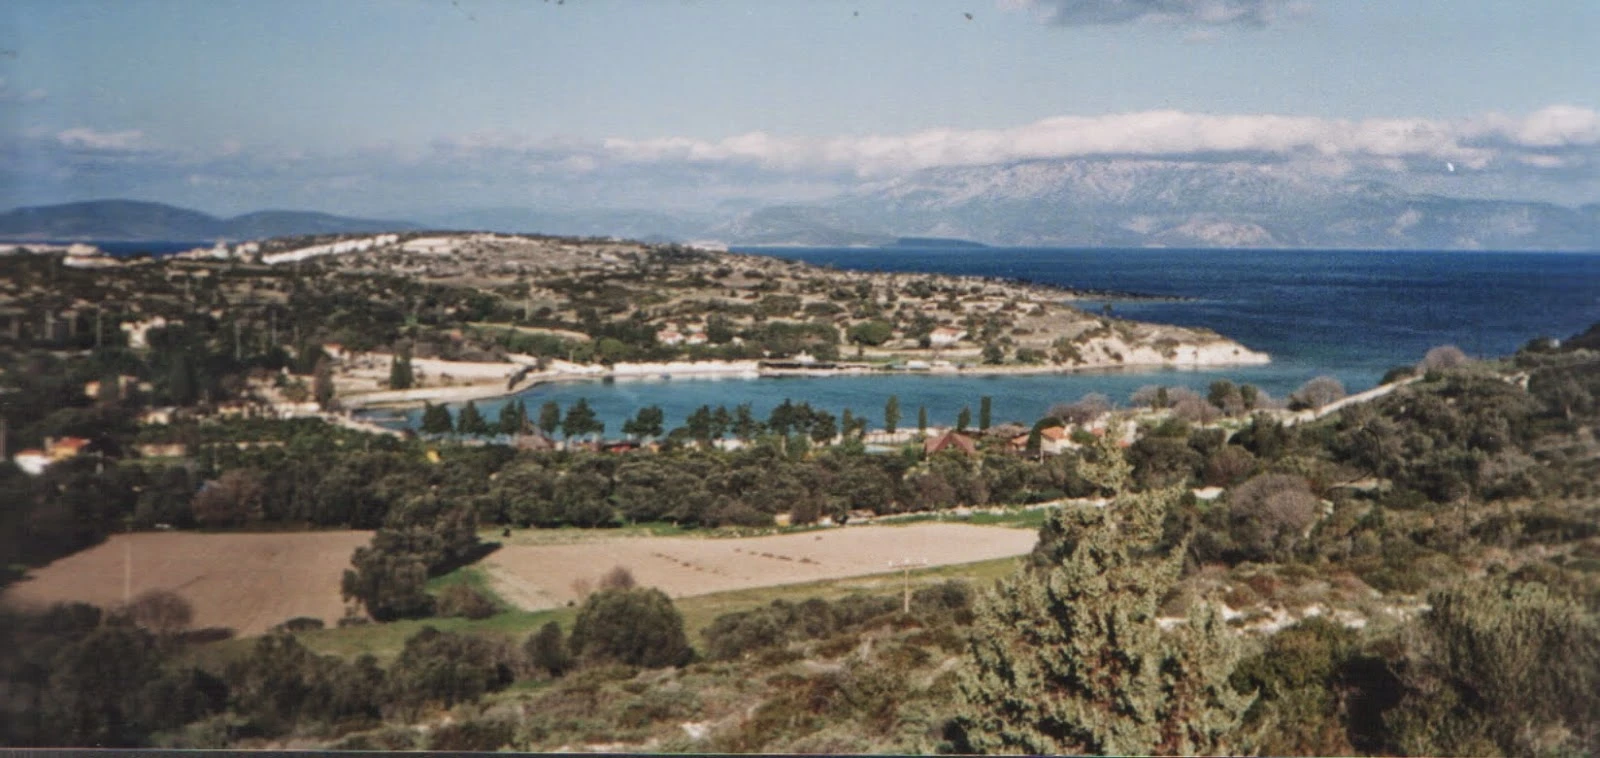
(245, 582)
(544, 576)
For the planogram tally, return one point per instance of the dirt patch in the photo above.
(246, 582)
(542, 576)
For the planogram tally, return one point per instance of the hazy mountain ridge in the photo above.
(133, 220)
(1130, 202)
(1122, 202)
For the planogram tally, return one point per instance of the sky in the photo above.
(405, 107)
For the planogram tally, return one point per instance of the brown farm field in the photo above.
(534, 577)
(250, 582)
(245, 582)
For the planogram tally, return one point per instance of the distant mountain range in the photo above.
(1088, 203)
(1134, 203)
(134, 221)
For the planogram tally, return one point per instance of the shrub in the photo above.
(547, 651)
(300, 624)
(636, 627)
(1501, 667)
(447, 668)
(1443, 357)
(618, 578)
(477, 735)
(1270, 514)
(1316, 393)
(161, 611)
(466, 601)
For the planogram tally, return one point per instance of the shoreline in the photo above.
(461, 393)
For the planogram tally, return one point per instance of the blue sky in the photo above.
(401, 105)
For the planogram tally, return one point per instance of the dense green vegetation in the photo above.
(1456, 518)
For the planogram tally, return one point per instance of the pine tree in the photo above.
(471, 422)
(436, 419)
(581, 420)
(1066, 655)
(550, 418)
(891, 414)
(513, 417)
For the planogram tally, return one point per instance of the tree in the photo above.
(891, 414)
(581, 420)
(1443, 357)
(163, 612)
(436, 419)
(874, 332)
(550, 418)
(471, 422)
(922, 419)
(513, 417)
(447, 668)
(1066, 655)
(649, 422)
(745, 426)
(389, 585)
(546, 649)
(1270, 513)
(985, 412)
(635, 627)
(401, 375)
(994, 354)
(1086, 409)
(1317, 392)
(964, 418)
(823, 428)
(232, 499)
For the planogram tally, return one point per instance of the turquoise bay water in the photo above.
(1348, 314)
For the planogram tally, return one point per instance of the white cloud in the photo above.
(1215, 13)
(92, 139)
(1470, 143)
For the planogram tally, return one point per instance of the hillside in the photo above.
(131, 220)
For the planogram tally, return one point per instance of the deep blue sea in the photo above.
(1349, 314)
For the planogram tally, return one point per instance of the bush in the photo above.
(161, 611)
(466, 601)
(546, 650)
(447, 668)
(1501, 667)
(486, 735)
(618, 578)
(299, 624)
(1270, 514)
(637, 627)
(733, 635)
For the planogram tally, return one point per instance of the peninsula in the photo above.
(475, 314)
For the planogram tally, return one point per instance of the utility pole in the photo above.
(905, 567)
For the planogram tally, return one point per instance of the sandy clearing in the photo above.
(542, 576)
(247, 582)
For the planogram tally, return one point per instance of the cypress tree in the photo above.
(891, 414)
(984, 415)
(1066, 655)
